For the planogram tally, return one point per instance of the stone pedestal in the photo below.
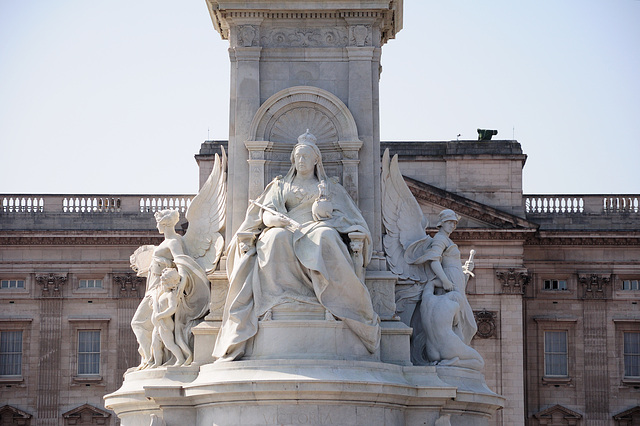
(304, 392)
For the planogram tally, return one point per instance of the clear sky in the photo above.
(116, 97)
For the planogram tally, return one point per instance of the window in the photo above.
(12, 284)
(88, 352)
(631, 354)
(631, 284)
(11, 353)
(90, 284)
(555, 354)
(555, 284)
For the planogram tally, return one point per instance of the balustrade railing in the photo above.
(93, 203)
(581, 204)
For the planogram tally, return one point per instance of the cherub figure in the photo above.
(194, 255)
(165, 305)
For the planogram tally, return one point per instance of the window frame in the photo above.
(82, 355)
(558, 281)
(78, 324)
(23, 325)
(624, 325)
(554, 324)
(564, 354)
(93, 287)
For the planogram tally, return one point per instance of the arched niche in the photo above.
(288, 114)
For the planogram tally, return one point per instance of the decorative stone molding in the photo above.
(51, 283)
(288, 114)
(486, 321)
(360, 35)
(14, 416)
(86, 415)
(304, 37)
(549, 416)
(513, 280)
(248, 35)
(128, 283)
(92, 240)
(594, 286)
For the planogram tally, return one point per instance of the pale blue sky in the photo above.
(116, 97)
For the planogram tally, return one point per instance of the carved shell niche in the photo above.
(296, 121)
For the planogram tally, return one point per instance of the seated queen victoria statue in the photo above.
(291, 249)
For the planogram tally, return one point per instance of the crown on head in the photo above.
(307, 139)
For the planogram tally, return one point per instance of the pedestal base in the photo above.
(305, 392)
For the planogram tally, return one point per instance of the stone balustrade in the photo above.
(581, 204)
(31, 203)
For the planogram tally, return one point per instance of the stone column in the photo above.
(514, 281)
(49, 371)
(256, 166)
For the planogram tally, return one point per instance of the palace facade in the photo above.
(555, 292)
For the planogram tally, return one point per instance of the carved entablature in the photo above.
(486, 321)
(128, 284)
(594, 286)
(513, 280)
(51, 283)
(274, 28)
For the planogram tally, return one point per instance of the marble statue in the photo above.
(165, 305)
(193, 255)
(291, 249)
(436, 306)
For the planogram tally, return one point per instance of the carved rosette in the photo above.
(594, 286)
(486, 321)
(513, 280)
(51, 284)
(128, 284)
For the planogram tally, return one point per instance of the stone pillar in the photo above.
(244, 54)
(51, 341)
(514, 281)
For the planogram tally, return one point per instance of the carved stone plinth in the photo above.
(314, 392)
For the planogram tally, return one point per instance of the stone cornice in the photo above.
(466, 206)
(101, 238)
(586, 238)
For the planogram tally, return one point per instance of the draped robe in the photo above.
(310, 265)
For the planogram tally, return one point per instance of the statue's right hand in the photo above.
(275, 220)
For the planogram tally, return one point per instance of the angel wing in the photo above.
(206, 215)
(403, 221)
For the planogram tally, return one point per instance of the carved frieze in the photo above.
(594, 286)
(51, 283)
(513, 280)
(305, 37)
(486, 321)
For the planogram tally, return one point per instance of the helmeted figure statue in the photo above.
(291, 248)
(436, 307)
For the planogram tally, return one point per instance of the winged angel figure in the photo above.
(164, 319)
(435, 306)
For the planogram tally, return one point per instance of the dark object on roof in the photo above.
(485, 135)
